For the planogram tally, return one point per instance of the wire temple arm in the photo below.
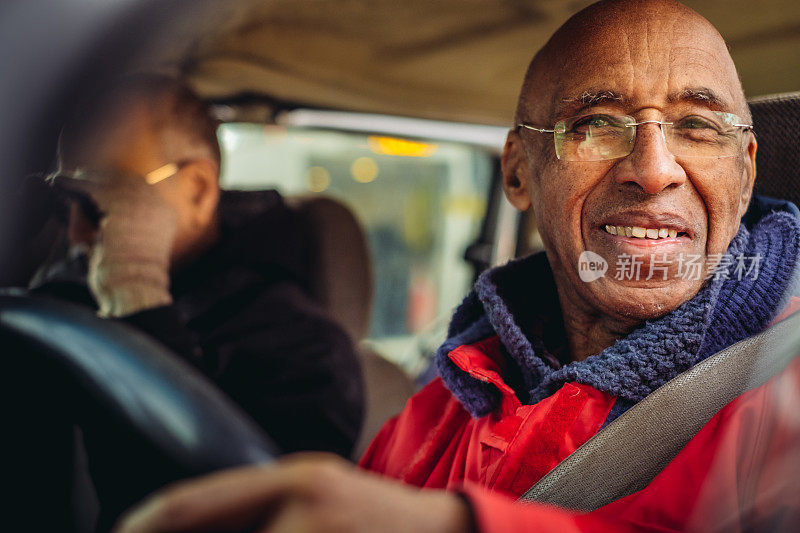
(534, 128)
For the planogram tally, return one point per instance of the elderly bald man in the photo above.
(633, 146)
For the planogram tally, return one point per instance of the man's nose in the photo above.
(650, 165)
(80, 229)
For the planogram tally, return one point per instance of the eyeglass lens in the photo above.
(600, 136)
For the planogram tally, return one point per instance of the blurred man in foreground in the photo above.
(142, 166)
(633, 146)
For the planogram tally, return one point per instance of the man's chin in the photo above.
(641, 299)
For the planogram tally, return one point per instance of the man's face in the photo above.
(655, 69)
(130, 146)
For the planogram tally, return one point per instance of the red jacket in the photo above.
(745, 458)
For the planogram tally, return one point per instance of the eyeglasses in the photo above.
(597, 137)
(164, 172)
(85, 202)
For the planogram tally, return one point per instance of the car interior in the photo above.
(380, 122)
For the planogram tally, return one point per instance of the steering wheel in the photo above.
(133, 381)
(58, 59)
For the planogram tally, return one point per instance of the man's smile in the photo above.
(638, 230)
(642, 233)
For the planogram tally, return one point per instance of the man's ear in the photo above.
(203, 185)
(513, 164)
(749, 175)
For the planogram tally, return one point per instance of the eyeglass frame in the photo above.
(85, 202)
(661, 124)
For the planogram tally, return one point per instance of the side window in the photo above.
(420, 203)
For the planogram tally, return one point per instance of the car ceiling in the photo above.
(459, 60)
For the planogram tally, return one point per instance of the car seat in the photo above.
(776, 121)
(340, 278)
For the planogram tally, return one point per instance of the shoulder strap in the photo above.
(628, 453)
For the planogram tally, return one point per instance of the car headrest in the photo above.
(776, 120)
(340, 271)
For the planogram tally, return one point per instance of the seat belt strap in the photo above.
(628, 453)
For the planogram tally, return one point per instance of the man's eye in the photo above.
(598, 122)
(696, 123)
(699, 129)
(596, 125)
(593, 121)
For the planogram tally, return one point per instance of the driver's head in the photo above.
(142, 124)
(653, 60)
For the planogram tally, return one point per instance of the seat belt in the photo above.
(628, 453)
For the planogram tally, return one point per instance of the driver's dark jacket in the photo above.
(241, 315)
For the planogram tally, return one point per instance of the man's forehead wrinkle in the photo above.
(710, 77)
(646, 60)
(629, 60)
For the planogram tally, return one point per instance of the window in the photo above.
(421, 205)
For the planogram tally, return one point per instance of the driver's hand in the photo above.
(304, 493)
(130, 261)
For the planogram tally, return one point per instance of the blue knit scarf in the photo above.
(507, 300)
